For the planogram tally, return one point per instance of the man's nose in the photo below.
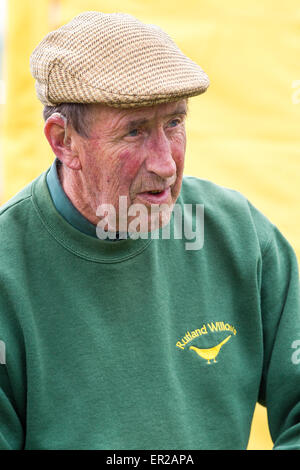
(159, 159)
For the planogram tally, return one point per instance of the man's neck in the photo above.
(75, 191)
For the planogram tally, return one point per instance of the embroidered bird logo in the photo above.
(210, 354)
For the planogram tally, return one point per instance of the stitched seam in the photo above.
(15, 204)
(267, 247)
(51, 230)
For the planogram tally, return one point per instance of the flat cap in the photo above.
(113, 59)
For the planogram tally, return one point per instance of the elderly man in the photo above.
(114, 336)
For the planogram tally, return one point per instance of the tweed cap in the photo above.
(113, 59)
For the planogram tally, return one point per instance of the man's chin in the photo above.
(154, 220)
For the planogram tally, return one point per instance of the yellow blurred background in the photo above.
(243, 133)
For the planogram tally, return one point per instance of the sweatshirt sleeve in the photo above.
(12, 376)
(11, 430)
(280, 308)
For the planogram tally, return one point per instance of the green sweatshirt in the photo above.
(143, 344)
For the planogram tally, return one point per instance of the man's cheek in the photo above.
(129, 166)
(179, 158)
(178, 153)
(178, 147)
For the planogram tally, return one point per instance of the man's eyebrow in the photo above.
(139, 122)
(178, 111)
(136, 123)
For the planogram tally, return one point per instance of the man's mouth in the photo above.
(156, 196)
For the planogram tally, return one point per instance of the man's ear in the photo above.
(56, 132)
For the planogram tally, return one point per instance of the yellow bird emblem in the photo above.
(210, 354)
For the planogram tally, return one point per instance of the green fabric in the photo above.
(98, 334)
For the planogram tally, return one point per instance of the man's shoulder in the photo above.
(17, 199)
(226, 208)
(17, 215)
(195, 187)
(17, 202)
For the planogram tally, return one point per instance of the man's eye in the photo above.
(174, 123)
(133, 133)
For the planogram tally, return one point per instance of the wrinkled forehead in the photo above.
(117, 118)
(162, 109)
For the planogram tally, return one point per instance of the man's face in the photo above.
(132, 152)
